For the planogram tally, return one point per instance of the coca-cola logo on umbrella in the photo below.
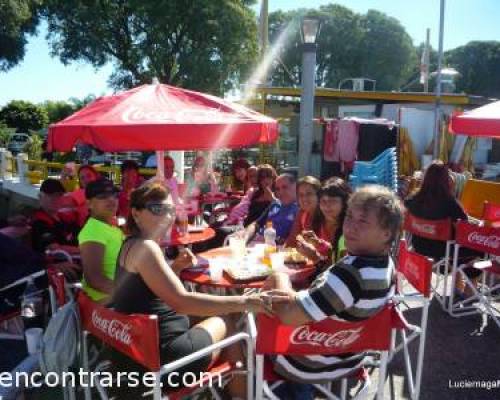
(304, 335)
(112, 328)
(192, 115)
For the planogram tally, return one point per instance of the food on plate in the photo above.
(292, 256)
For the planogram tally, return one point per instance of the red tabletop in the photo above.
(297, 272)
(189, 238)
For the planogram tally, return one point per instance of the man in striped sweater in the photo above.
(353, 289)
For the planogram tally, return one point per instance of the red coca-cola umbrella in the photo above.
(162, 117)
(483, 121)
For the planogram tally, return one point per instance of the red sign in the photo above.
(481, 238)
(441, 230)
(416, 268)
(134, 335)
(329, 336)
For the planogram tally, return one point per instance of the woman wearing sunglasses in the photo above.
(146, 284)
(100, 240)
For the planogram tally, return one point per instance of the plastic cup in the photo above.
(216, 268)
(277, 260)
(33, 339)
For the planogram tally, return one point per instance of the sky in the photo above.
(40, 77)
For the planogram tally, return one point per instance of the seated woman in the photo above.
(201, 180)
(239, 181)
(86, 174)
(325, 241)
(434, 201)
(307, 197)
(100, 240)
(262, 196)
(147, 284)
(131, 179)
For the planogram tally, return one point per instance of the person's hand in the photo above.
(263, 302)
(307, 249)
(277, 301)
(185, 259)
(310, 237)
(277, 280)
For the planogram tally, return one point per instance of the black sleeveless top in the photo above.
(132, 296)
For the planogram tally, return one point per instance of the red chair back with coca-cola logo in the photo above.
(416, 268)
(480, 238)
(134, 335)
(441, 229)
(327, 337)
(491, 212)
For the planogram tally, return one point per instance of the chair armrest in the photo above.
(177, 364)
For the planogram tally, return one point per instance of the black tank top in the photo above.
(132, 296)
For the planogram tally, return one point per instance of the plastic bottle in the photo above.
(32, 306)
(270, 241)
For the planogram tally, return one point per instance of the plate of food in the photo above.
(292, 256)
(248, 272)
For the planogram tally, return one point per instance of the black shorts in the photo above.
(189, 342)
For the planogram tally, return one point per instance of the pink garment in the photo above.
(347, 142)
(330, 148)
(240, 211)
(78, 197)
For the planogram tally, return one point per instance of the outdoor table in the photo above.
(189, 238)
(298, 273)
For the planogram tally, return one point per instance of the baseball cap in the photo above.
(100, 186)
(52, 186)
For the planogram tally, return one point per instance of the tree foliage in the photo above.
(371, 45)
(204, 44)
(57, 110)
(24, 116)
(479, 65)
(18, 18)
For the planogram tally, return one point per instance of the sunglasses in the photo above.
(160, 209)
(104, 196)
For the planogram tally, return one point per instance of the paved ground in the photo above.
(455, 351)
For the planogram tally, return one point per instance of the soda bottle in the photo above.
(32, 306)
(270, 241)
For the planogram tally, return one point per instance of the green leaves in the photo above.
(17, 20)
(194, 44)
(23, 116)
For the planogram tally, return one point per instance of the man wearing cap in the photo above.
(49, 225)
(100, 240)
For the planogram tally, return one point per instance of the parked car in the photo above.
(17, 142)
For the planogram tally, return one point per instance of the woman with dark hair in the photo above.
(324, 242)
(435, 201)
(239, 178)
(263, 195)
(146, 284)
(308, 188)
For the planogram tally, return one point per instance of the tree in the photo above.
(479, 67)
(371, 45)
(57, 110)
(17, 20)
(205, 45)
(24, 116)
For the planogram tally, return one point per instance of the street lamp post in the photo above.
(309, 30)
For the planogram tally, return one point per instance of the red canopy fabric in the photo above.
(482, 121)
(162, 117)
